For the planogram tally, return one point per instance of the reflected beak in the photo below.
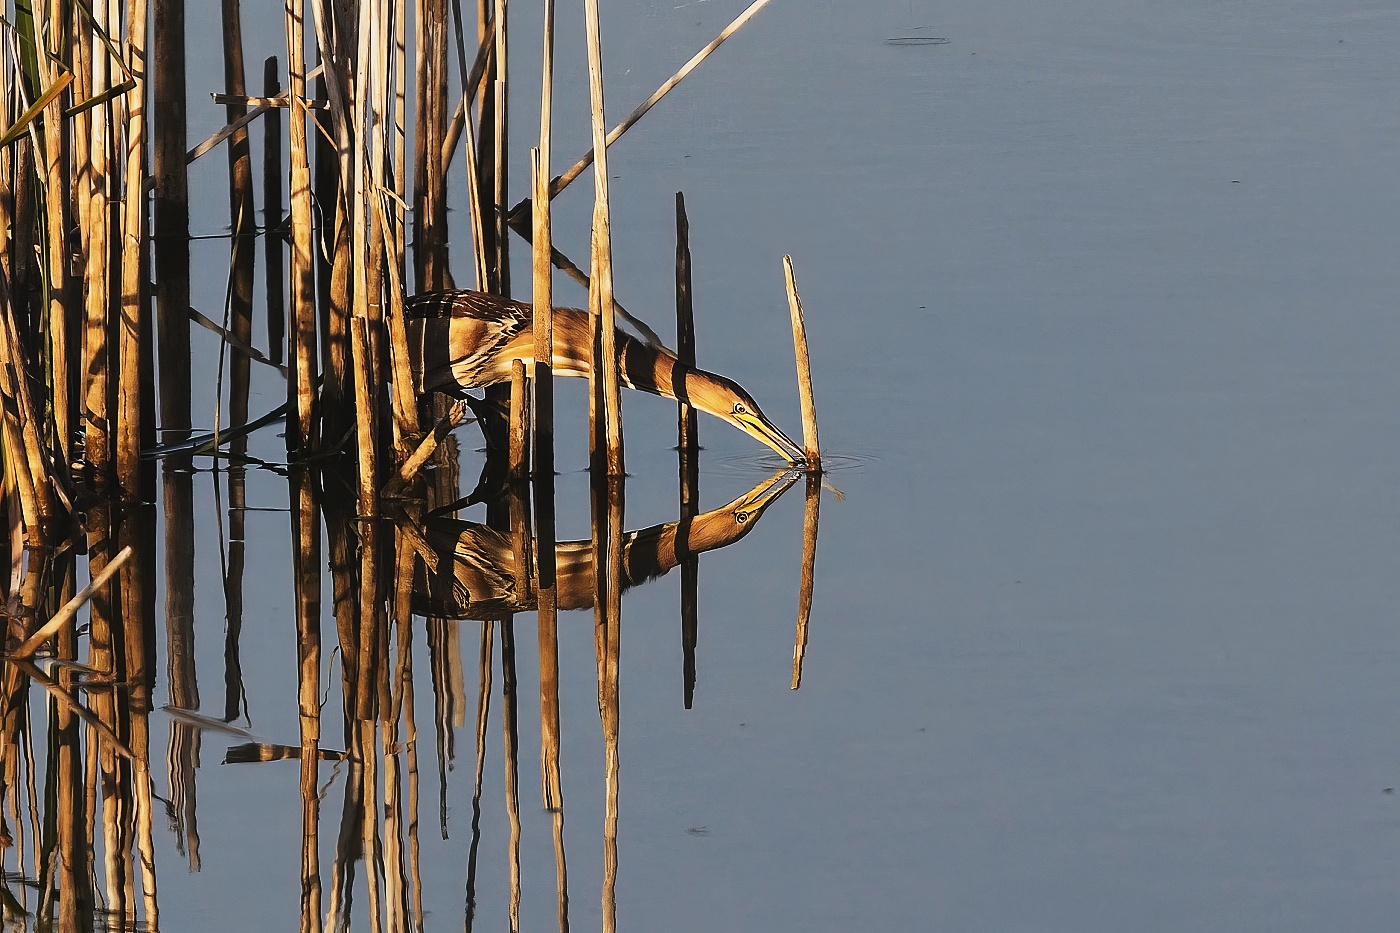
(766, 492)
(769, 434)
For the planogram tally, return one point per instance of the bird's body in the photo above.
(460, 340)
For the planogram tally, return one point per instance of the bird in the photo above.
(468, 570)
(460, 340)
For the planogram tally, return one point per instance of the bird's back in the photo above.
(461, 339)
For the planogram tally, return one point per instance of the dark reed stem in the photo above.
(688, 449)
(172, 220)
(273, 218)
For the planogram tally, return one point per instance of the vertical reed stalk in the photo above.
(804, 370)
(688, 448)
(602, 257)
(301, 435)
(430, 125)
(611, 699)
(133, 276)
(272, 216)
(58, 217)
(810, 513)
(172, 219)
(500, 140)
(242, 220)
(510, 752)
(96, 355)
(547, 599)
(519, 424)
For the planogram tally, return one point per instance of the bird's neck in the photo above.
(640, 365)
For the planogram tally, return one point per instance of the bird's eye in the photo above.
(741, 517)
(739, 408)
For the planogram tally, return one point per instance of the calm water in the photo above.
(1102, 306)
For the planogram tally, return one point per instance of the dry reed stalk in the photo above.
(301, 435)
(182, 753)
(409, 881)
(483, 703)
(395, 881)
(405, 389)
(688, 448)
(96, 355)
(23, 466)
(509, 751)
(74, 855)
(519, 451)
(399, 132)
(500, 140)
(563, 181)
(810, 514)
(804, 370)
(471, 90)
(605, 319)
(543, 313)
(306, 531)
(610, 698)
(171, 218)
(485, 156)
(58, 216)
(369, 818)
(228, 130)
(133, 270)
(474, 208)
(270, 100)
(103, 731)
(242, 219)
(455, 416)
(70, 609)
(365, 418)
(430, 125)
(354, 187)
(272, 217)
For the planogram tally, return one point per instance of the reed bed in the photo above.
(95, 390)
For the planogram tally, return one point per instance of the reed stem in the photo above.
(810, 447)
(601, 290)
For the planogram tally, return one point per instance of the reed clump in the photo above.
(96, 379)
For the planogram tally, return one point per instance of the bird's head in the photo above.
(726, 399)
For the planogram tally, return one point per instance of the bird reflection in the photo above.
(469, 571)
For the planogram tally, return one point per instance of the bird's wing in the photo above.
(471, 324)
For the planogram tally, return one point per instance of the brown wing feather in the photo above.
(458, 335)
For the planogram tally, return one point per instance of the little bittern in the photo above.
(461, 340)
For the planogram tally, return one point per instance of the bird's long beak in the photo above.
(767, 432)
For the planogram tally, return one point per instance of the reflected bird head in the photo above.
(726, 399)
(727, 524)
